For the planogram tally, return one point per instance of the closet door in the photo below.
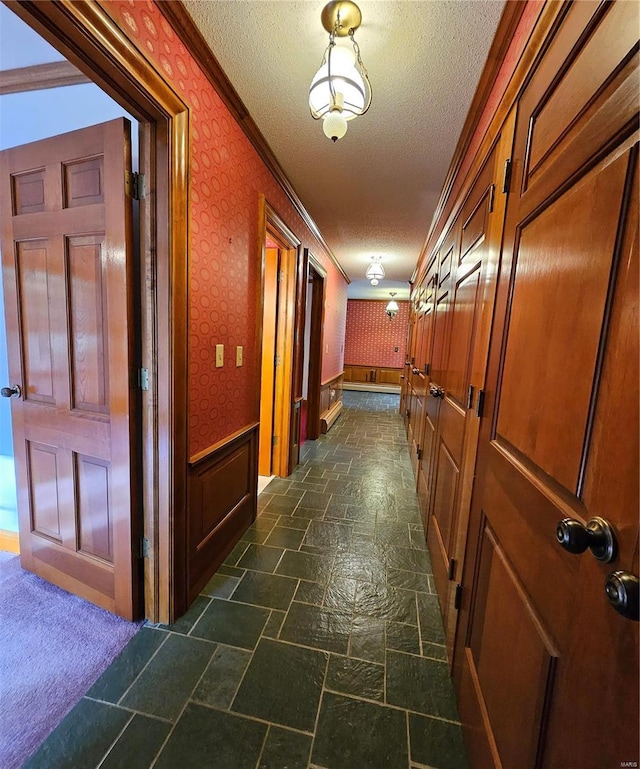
(549, 668)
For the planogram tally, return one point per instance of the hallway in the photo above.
(317, 644)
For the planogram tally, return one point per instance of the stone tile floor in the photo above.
(318, 643)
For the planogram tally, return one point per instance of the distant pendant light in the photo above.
(392, 308)
(340, 89)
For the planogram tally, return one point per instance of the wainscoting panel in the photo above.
(330, 401)
(222, 502)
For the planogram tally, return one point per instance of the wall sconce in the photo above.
(392, 308)
(375, 271)
(340, 89)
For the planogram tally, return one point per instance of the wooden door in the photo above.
(67, 274)
(428, 426)
(546, 670)
(268, 376)
(473, 281)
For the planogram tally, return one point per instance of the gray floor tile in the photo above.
(403, 638)
(307, 566)
(367, 639)
(357, 677)
(388, 603)
(317, 627)
(353, 734)
(208, 739)
(283, 536)
(124, 670)
(430, 619)
(421, 685)
(285, 749)
(185, 624)
(82, 738)
(282, 685)
(260, 558)
(221, 679)
(138, 745)
(269, 590)
(168, 680)
(437, 744)
(234, 624)
(220, 586)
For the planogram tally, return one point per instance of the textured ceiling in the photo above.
(375, 190)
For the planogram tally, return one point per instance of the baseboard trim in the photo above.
(371, 388)
(9, 541)
(329, 417)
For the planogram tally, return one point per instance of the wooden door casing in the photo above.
(559, 437)
(67, 265)
(267, 379)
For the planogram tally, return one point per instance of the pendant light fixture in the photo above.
(340, 89)
(392, 308)
(375, 271)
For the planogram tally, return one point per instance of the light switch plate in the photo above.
(239, 355)
(219, 355)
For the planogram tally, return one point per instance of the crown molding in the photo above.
(192, 38)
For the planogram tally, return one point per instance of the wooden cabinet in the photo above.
(521, 402)
(372, 375)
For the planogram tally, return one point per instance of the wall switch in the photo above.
(239, 355)
(219, 355)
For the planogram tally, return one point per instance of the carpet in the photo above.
(53, 646)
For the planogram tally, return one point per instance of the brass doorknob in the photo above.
(11, 392)
(436, 392)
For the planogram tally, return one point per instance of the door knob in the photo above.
(622, 590)
(437, 392)
(597, 535)
(11, 392)
(416, 371)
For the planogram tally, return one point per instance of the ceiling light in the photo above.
(374, 281)
(340, 89)
(375, 269)
(392, 308)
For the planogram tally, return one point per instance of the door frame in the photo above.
(314, 386)
(91, 40)
(271, 223)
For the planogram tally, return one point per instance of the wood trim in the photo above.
(86, 35)
(314, 384)
(202, 455)
(217, 519)
(9, 541)
(193, 39)
(39, 77)
(332, 380)
(509, 21)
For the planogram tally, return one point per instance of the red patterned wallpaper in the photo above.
(371, 337)
(226, 178)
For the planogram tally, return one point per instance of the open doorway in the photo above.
(93, 43)
(280, 250)
(32, 108)
(312, 360)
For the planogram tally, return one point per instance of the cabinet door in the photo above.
(548, 670)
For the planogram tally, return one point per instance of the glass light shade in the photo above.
(374, 281)
(392, 306)
(375, 270)
(347, 81)
(334, 125)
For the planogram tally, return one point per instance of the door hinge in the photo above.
(427, 369)
(408, 413)
(452, 568)
(277, 360)
(143, 378)
(506, 182)
(281, 276)
(470, 397)
(480, 404)
(274, 440)
(492, 195)
(134, 185)
(457, 600)
(144, 547)
(419, 453)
